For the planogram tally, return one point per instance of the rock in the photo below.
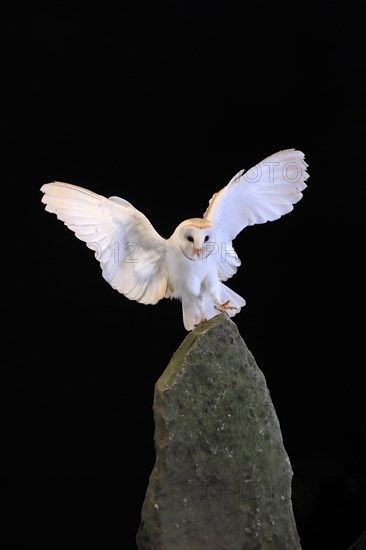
(360, 543)
(222, 478)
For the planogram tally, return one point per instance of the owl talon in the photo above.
(202, 320)
(224, 306)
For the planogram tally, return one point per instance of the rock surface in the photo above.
(360, 543)
(222, 478)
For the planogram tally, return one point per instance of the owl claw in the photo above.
(224, 306)
(202, 320)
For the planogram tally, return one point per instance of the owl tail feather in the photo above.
(191, 312)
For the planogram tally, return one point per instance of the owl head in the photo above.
(195, 238)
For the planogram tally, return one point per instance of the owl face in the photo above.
(196, 243)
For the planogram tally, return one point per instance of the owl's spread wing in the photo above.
(264, 193)
(131, 253)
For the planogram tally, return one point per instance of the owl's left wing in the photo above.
(264, 193)
(131, 253)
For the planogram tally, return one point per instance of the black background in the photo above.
(162, 106)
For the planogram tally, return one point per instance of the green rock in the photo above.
(222, 478)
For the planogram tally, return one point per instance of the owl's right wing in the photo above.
(131, 253)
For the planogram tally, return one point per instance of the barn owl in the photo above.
(194, 262)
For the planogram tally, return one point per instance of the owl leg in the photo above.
(194, 299)
(214, 291)
(193, 313)
(203, 319)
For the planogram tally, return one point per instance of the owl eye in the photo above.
(206, 238)
(190, 238)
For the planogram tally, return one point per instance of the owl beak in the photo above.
(198, 251)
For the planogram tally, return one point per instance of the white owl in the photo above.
(193, 263)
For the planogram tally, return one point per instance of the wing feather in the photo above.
(264, 193)
(131, 253)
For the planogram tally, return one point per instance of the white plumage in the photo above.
(193, 263)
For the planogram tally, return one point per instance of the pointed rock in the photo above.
(222, 478)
